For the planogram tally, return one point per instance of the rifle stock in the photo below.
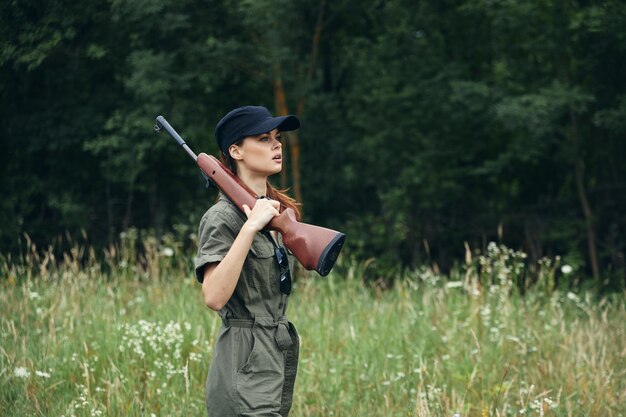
(315, 247)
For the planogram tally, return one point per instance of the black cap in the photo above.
(249, 121)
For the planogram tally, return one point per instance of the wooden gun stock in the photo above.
(315, 247)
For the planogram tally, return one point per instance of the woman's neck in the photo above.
(256, 183)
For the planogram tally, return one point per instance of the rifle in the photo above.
(317, 248)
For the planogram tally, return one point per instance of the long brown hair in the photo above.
(278, 195)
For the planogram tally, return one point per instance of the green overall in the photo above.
(255, 359)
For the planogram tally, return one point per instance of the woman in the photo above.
(245, 275)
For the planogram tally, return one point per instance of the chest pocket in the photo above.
(261, 264)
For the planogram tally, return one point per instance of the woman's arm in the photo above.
(220, 278)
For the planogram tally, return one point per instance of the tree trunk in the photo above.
(294, 146)
(280, 101)
(584, 201)
(315, 43)
(129, 204)
(107, 188)
(294, 143)
(109, 211)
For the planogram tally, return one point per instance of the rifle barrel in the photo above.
(161, 122)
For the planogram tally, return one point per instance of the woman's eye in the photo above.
(279, 138)
(264, 138)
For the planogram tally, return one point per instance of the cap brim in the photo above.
(282, 123)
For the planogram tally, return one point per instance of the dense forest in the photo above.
(427, 126)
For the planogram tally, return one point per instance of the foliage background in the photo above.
(424, 124)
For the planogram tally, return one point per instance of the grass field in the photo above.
(136, 341)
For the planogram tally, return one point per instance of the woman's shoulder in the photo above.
(223, 211)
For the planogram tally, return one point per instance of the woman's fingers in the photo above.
(262, 212)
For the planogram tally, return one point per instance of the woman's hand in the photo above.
(262, 213)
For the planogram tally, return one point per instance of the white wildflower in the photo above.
(21, 372)
(566, 269)
(42, 374)
(169, 252)
(454, 284)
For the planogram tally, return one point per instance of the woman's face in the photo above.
(261, 154)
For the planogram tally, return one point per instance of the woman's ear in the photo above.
(235, 152)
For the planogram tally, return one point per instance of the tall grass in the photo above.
(129, 336)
